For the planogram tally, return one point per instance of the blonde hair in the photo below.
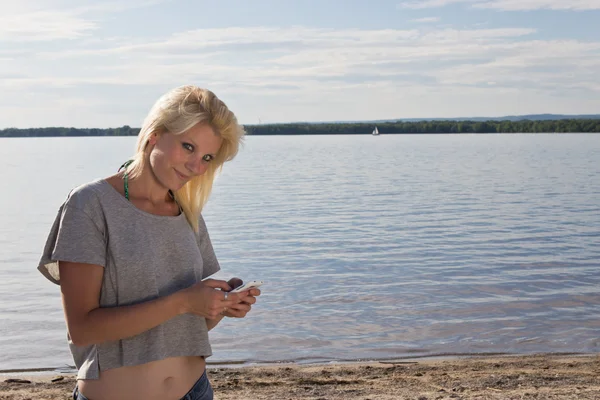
(177, 111)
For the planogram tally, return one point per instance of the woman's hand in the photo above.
(242, 308)
(204, 298)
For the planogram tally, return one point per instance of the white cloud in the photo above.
(288, 68)
(113, 6)
(426, 20)
(46, 21)
(455, 35)
(43, 25)
(419, 4)
(289, 57)
(518, 5)
(507, 5)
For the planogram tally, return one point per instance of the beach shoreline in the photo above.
(538, 376)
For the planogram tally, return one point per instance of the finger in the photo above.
(237, 297)
(212, 315)
(235, 313)
(228, 299)
(241, 307)
(217, 284)
(249, 300)
(251, 292)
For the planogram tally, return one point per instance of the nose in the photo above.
(197, 165)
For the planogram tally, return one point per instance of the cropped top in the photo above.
(145, 256)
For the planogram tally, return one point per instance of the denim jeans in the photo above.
(200, 391)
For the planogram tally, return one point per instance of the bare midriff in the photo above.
(168, 379)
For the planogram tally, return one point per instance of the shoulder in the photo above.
(88, 197)
(201, 225)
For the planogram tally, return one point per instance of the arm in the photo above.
(88, 323)
(211, 323)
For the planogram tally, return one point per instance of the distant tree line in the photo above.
(399, 127)
(524, 126)
(53, 132)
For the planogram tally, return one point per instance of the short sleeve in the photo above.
(209, 258)
(74, 237)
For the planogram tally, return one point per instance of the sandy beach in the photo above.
(521, 377)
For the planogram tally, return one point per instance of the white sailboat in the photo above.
(375, 131)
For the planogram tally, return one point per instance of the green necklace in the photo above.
(126, 178)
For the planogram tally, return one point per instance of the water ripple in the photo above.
(403, 246)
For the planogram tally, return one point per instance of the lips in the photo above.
(181, 176)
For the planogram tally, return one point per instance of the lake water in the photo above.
(386, 247)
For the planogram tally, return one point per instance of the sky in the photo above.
(100, 64)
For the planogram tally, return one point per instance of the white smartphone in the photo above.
(247, 285)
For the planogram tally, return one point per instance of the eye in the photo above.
(188, 147)
(207, 157)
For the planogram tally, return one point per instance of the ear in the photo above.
(153, 139)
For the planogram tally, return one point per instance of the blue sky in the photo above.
(103, 64)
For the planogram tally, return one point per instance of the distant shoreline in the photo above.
(540, 376)
(359, 128)
(406, 359)
(326, 134)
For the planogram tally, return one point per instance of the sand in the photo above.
(522, 377)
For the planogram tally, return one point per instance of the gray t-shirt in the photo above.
(145, 256)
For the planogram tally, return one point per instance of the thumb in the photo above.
(217, 284)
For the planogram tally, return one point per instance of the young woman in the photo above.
(131, 254)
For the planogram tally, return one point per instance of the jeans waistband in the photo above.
(200, 391)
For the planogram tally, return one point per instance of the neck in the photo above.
(145, 186)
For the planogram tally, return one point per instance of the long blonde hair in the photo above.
(177, 111)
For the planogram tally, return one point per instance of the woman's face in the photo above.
(175, 159)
